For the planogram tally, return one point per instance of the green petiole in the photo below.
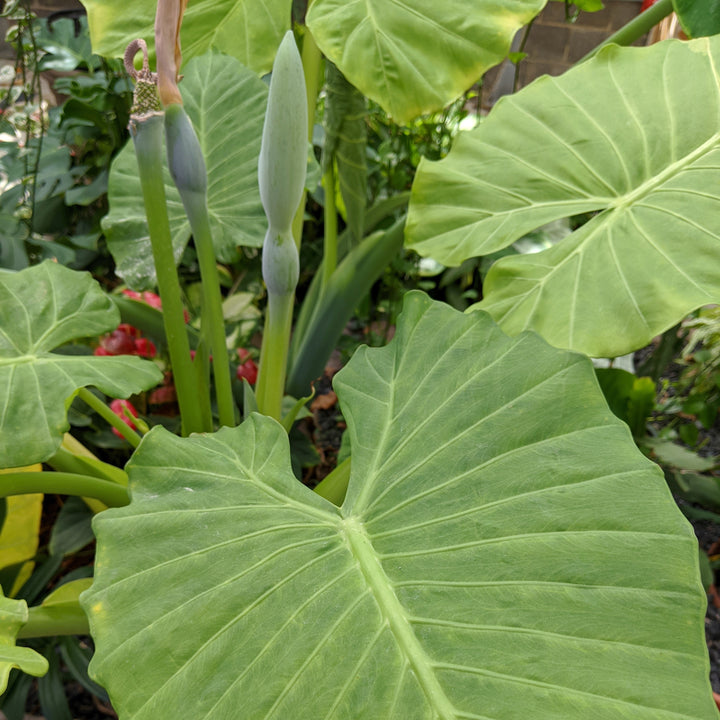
(62, 483)
(187, 168)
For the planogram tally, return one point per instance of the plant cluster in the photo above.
(492, 542)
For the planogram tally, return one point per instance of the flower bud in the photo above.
(283, 152)
(280, 263)
(185, 157)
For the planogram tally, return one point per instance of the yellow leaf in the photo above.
(19, 536)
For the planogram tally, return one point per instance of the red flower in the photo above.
(248, 369)
(151, 299)
(145, 348)
(126, 340)
(118, 342)
(119, 407)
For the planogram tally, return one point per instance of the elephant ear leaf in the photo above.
(41, 308)
(504, 551)
(13, 615)
(383, 50)
(249, 30)
(630, 136)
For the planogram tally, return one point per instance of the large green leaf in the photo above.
(226, 103)
(41, 308)
(504, 551)
(633, 135)
(699, 18)
(13, 615)
(249, 30)
(416, 57)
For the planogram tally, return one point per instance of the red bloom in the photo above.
(126, 340)
(151, 299)
(118, 342)
(247, 369)
(119, 407)
(145, 348)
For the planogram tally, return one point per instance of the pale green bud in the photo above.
(283, 153)
(280, 263)
(185, 157)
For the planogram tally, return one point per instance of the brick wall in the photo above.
(554, 44)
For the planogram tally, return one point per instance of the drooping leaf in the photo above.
(42, 308)
(416, 57)
(249, 30)
(698, 18)
(631, 135)
(345, 144)
(503, 551)
(226, 103)
(13, 615)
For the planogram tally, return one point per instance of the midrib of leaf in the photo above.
(396, 618)
(669, 172)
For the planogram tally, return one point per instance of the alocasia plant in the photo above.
(502, 550)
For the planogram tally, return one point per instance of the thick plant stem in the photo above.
(312, 69)
(273, 354)
(148, 138)
(108, 415)
(51, 621)
(187, 167)
(85, 462)
(61, 483)
(636, 28)
(73, 457)
(330, 234)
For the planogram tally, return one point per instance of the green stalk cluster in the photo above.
(281, 174)
(146, 128)
(187, 167)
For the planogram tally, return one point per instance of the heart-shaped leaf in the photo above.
(249, 30)
(631, 135)
(504, 551)
(226, 103)
(13, 615)
(416, 57)
(42, 308)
